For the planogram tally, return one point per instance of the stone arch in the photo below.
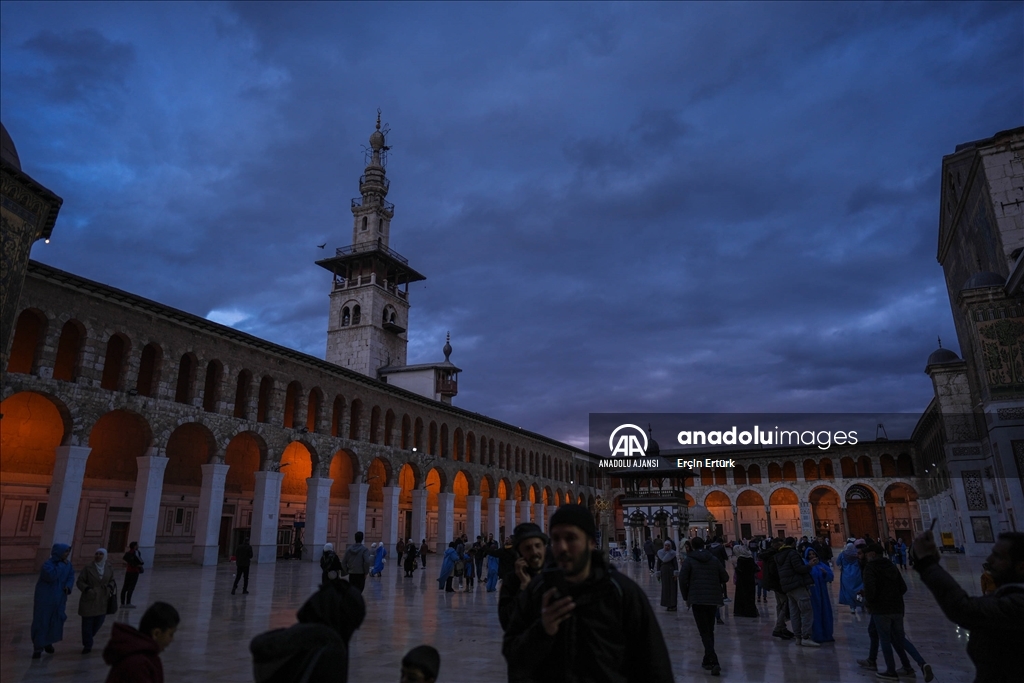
(115, 362)
(406, 440)
(70, 346)
(717, 498)
(34, 425)
(354, 420)
(749, 498)
(558, 497)
(490, 453)
(375, 425)
(788, 471)
(245, 454)
(389, 428)
(904, 465)
(754, 474)
(902, 510)
(774, 472)
(864, 468)
(298, 462)
(417, 439)
(535, 495)
(117, 438)
(739, 475)
(887, 464)
(810, 470)
(548, 495)
(443, 451)
(520, 491)
(338, 416)
(264, 399)
(432, 439)
(505, 489)
(190, 446)
(184, 387)
(461, 487)
(435, 483)
(378, 475)
(408, 480)
(861, 510)
(826, 511)
(291, 404)
(344, 465)
(501, 455)
(458, 445)
(783, 495)
(487, 489)
(825, 470)
(848, 467)
(470, 454)
(27, 342)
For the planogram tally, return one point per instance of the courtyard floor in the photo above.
(212, 641)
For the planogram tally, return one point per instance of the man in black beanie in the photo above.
(582, 620)
(421, 665)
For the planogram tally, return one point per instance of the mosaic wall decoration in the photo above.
(974, 490)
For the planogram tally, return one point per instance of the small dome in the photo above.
(377, 141)
(8, 152)
(653, 449)
(985, 278)
(698, 513)
(940, 356)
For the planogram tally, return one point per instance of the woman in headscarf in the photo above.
(668, 568)
(821, 601)
(410, 558)
(56, 579)
(330, 565)
(850, 580)
(97, 585)
(378, 559)
(444, 579)
(744, 575)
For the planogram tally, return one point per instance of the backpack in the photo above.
(460, 568)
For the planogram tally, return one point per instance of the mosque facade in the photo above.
(125, 419)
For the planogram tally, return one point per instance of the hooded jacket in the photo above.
(612, 635)
(318, 645)
(56, 579)
(770, 570)
(701, 579)
(793, 573)
(133, 656)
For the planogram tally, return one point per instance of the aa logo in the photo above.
(628, 442)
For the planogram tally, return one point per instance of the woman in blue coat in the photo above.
(821, 601)
(451, 555)
(378, 560)
(56, 579)
(850, 580)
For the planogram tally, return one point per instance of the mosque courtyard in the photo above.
(212, 642)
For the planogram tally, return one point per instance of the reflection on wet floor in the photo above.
(212, 641)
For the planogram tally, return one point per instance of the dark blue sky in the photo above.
(692, 207)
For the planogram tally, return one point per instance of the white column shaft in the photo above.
(474, 526)
(538, 516)
(205, 548)
(524, 511)
(510, 517)
(149, 486)
(65, 499)
(445, 521)
(356, 510)
(318, 505)
(266, 509)
(419, 516)
(494, 517)
(390, 531)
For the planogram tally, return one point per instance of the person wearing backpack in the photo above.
(315, 650)
(330, 565)
(356, 563)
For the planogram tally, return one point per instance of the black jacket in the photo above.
(285, 655)
(611, 637)
(701, 578)
(243, 555)
(883, 587)
(506, 560)
(770, 570)
(994, 621)
(793, 573)
(507, 594)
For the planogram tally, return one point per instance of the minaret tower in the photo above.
(370, 294)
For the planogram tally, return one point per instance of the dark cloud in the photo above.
(618, 207)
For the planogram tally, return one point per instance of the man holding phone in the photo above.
(531, 544)
(582, 620)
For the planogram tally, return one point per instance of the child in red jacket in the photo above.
(134, 654)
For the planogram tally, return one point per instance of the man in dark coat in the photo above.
(531, 544)
(243, 557)
(770, 581)
(994, 620)
(357, 563)
(883, 597)
(317, 646)
(700, 581)
(649, 551)
(796, 580)
(588, 623)
(134, 654)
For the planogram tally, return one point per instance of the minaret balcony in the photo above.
(388, 206)
(367, 247)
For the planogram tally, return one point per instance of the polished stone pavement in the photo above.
(212, 641)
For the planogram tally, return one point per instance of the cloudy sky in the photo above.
(691, 207)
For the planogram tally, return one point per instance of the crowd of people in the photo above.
(567, 613)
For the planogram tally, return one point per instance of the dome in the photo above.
(376, 140)
(653, 449)
(985, 278)
(940, 356)
(698, 513)
(8, 152)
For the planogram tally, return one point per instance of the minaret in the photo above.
(370, 294)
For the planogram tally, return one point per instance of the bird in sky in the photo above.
(321, 246)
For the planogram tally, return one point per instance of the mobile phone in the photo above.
(555, 578)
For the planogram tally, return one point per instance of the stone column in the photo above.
(419, 516)
(206, 547)
(846, 524)
(445, 521)
(390, 521)
(266, 508)
(473, 525)
(510, 517)
(149, 486)
(768, 521)
(356, 510)
(538, 516)
(494, 518)
(736, 521)
(318, 505)
(885, 522)
(64, 500)
(524, 511)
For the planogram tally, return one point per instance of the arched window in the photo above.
(345, 317)
(242, 395)
(68, 349)
(113, 363)
(211, 387)
(263, 404)
(355, 417)
(186, 378)
(291, 405)
(149, 370)
(28, 338)
(380, 225)
(364, 223)
(355, 314)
